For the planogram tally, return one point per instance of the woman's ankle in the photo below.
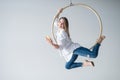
(99, 41)
(88, 63)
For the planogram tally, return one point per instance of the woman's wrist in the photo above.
(59, 11)
(52, 44)
(55, 45)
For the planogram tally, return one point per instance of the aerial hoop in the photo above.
(87, 7)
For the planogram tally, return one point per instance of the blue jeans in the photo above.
(82, 51)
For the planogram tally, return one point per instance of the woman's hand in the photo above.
(55, 46)
(60, 10)
(49, 40)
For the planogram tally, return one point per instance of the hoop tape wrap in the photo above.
(87, 7)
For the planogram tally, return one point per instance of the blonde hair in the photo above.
(66, 25)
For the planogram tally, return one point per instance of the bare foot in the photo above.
(88, 63)
(101, 39)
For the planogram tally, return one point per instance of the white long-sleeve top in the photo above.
(66, 46)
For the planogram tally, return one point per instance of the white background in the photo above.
(25, 55)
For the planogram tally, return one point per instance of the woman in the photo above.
(70, 50)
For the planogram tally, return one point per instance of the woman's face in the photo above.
(61, 23)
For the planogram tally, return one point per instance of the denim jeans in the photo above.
(82, 51)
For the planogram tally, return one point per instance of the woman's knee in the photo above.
(67, 67)
(94, 56)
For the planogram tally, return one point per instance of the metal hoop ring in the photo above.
(85, 6)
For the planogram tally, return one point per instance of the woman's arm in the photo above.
(49, 40)
(56, 46)
(59, 11)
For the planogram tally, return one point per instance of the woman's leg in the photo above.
(96, 47)
(85, 52)
(72, 64)
(94, 51)
(82, 51)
